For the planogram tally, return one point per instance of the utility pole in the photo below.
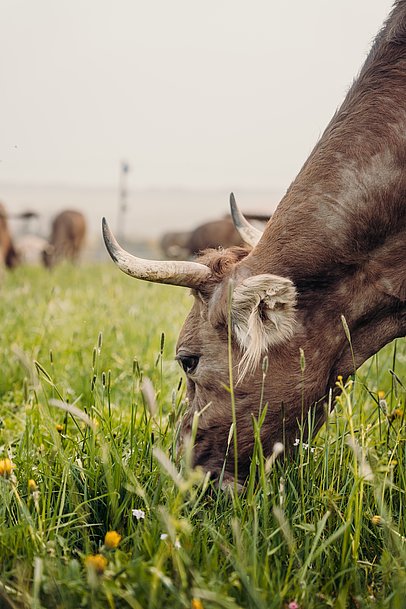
(122, 198)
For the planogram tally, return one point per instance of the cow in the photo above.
(331, 264)
(8, 254)
(213, 234)
(67, 238)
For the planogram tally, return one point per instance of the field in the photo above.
(90, 398)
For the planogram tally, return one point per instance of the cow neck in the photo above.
(340, 231)
(348, 200)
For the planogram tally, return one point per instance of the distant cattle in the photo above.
(67, 238)
(8, 253)
(214, 234)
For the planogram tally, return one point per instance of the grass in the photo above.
(89, 402)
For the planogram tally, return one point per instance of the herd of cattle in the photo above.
(330, 264)
(66, 240)
(68, 232)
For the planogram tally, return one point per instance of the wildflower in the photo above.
(381, 395)
(397, 413)
(32, 486)
(293, 605)
(59, 428)
(177, 544)
(376, 520)
(163, 536)
(197, 603)
(296, 442)
(6, 467)
(112, 539)
(139, 514)
(96, 563)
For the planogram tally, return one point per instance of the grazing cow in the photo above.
(8, 253)
(67, 238)
(214, 234)
(336, 246)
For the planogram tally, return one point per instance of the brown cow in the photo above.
(8, 253)
(67, 238)
(336, 246)
(214, 234)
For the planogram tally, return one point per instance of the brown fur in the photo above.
(67, 238)
(8, 253)
(340, 235)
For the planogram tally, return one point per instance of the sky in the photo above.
(202, 95)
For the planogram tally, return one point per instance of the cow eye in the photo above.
(188, 362)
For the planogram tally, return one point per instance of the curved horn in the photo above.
(187, 274)
(248, 233)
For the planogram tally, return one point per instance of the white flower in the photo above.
(164, 536)
(139, 514)
(177, 544)
(296, 442)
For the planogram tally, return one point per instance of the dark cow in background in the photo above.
(214, 234)
(336, 246)
(8, 252)
(67, 238)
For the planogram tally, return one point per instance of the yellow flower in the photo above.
(381, 395)
(96, 563)
(32, 486)
(112, 539)
(6, 467)
(59, 428)
(197, 603)
(376, 520)
(397, 413)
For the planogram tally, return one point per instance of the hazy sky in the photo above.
(220, 93)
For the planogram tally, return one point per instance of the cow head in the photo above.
(271, 328)
(238, 318)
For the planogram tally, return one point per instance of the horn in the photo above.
(248, 233)
(175, 272)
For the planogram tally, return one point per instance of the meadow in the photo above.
(96, 509)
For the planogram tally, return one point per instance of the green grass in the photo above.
(303, 530)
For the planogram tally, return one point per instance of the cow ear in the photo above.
(263, 315)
